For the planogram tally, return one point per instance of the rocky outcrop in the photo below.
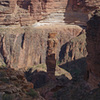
(85, 5)
(51, 55)
(93, 49)
(13, 85)
(74, 49)
(72, 56)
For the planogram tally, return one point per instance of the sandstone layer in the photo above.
(26, 12)
(93, 49)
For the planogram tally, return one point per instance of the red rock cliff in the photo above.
(26, 12)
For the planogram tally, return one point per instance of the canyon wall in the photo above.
(93, 49)
(25, 24)
(26, 12)
(25, 47)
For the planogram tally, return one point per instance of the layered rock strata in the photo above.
(27, 12)
(51, 55)
(93, 49)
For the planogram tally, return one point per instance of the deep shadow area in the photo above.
(76, 68)
(62, 87)
(39, 79)
(62, 52)
(74, 13)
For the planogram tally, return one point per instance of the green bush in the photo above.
(55, 95)
(32, 93)
(7, 97)
(58, 62)
(5, 80)
(2, 66)
(2, 73)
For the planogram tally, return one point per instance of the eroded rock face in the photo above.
(23, 48)
(74, 50)
(93, 49)
(27, 12)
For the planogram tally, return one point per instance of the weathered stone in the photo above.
(93, 49)
(13, 78)
(51, 55)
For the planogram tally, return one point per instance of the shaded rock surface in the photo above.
(93, 49)
(74, 49)
(65, 86)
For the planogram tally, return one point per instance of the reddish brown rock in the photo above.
(14, 83)
(74, 49)
(93, 49)
(83, 5)
(51, 55)
(26, 12)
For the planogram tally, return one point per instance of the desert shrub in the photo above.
(3, 66)
(5, 80)
(58, 62)
(32, 93)
(7, 97)
(2, 74)
(55, 95)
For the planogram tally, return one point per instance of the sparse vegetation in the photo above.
(5, 79)
(7, 97)
(2, 74)
(40, 67)
(55, 95)
(58, 62)
(32, 93)
(3, 66)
